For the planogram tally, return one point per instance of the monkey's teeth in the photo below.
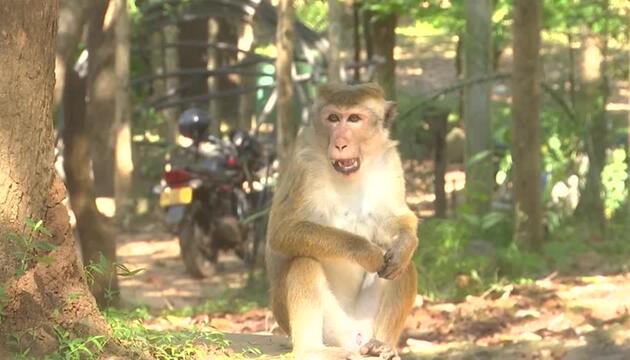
(346, 165)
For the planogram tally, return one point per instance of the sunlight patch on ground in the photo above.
(164, 283)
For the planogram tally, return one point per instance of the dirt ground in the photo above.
(554, 318)
(164, 284)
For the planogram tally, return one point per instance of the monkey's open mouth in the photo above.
(346, 166)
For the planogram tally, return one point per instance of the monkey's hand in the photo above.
(371, 258)
(397, 257)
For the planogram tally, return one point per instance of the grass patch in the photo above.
(451, 265)
(195, 343)
(254, 295)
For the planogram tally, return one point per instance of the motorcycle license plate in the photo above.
(179, 196)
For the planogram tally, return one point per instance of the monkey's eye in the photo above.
(354, 118)
(333, 118)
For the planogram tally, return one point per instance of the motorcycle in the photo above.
(208, 193)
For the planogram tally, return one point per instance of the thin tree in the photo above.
(335, 14)
(122, 127)
(591, 112)
(628, 123)
(101, 91)
(286, 126)
(43, 283)
(247, 101)
(526, 124)
(98, 248)
(193, 30)
(227, 107)
(479, 145)
(72, 17)
(383, 35)
(94, 236)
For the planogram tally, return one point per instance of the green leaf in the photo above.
(125, 271)
(45, 246)
(492, 219)
(478, 157)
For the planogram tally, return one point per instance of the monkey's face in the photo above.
(351, 132)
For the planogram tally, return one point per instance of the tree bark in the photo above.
(438, 121)
(384, 42)
(356, 36)
(286, 126)
(70, 28)
(526, 124)
(94, 235)
(191, 57)
(628, 122)
(479, 144)
(367, 33)
(170, 64)
(591, 110)
(335, 14)
(100, 117)
(227, 107)
(101, 103)
(41, 298)
(247, 101)
(122, 126)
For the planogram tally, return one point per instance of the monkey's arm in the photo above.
(403, 230)
(305, 238)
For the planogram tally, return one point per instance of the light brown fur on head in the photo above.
(350, 95)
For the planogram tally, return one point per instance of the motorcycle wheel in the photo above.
(194, 251)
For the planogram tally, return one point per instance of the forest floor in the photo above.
(557, 317)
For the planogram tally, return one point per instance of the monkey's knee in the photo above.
(297, 287)
(305, 272)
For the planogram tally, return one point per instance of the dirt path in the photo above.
(565, 318)
(164, 284)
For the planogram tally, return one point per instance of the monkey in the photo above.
(340, 235)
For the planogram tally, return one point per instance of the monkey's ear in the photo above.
(391, 111)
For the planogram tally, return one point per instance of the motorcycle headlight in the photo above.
(238, 139)
(195, 183)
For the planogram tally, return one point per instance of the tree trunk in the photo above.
(164, 60)
(193, 58)
(356, 36)
(50, 293)
(477, 63)
(124, 161)
(227, 107)
(591, 110)
(101, 112)
(367, 33)
(526, 124)
(384, 37)
(438, 121)
(170, 64)
(247, 101)
(101, 103)
(286, 126)
(335, 14)
(94, 235)
(628, 122)
(71, 20)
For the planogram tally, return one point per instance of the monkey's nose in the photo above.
(341, 147)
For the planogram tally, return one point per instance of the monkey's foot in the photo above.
(380, 349)
(326, 353)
